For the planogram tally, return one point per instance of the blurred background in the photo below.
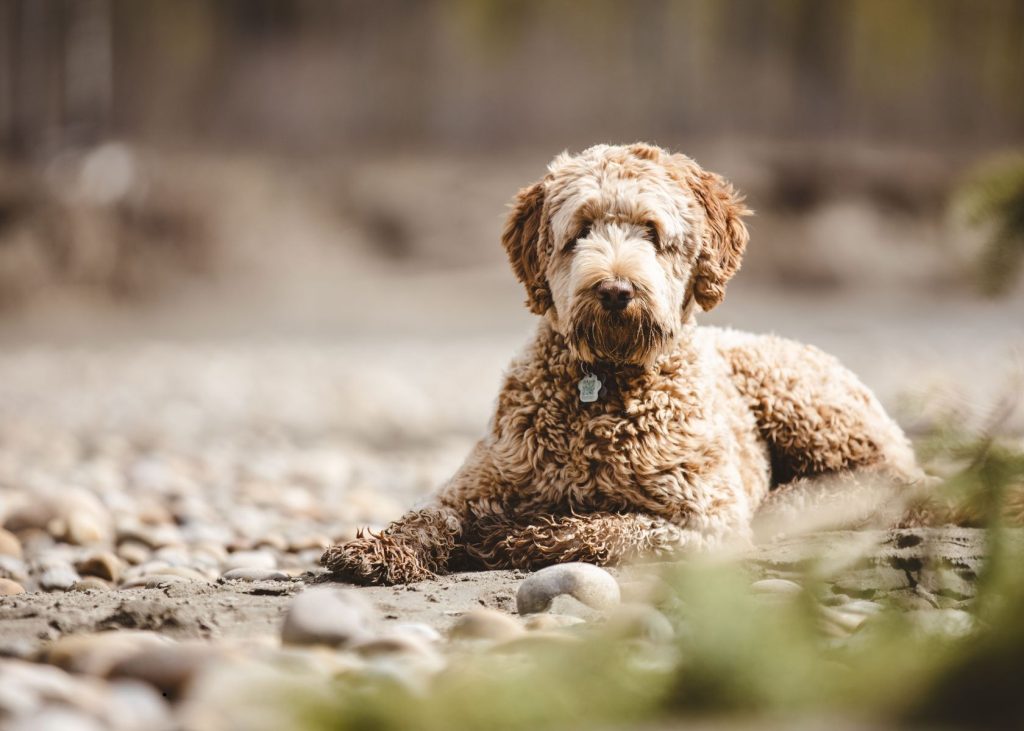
(286, 150)
(270, 227)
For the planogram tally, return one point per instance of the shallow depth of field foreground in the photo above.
(253, 299)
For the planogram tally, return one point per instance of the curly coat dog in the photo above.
(624, 429)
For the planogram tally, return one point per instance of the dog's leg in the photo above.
(424, 542)
(854, 500)
(417, 546)
(599, 538)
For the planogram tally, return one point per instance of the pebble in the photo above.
(861, 606)
(136, 705)
(210, 553)
(35, 541)
(776, 586)
(837, 621)
(9, 587)
(13, 568)
(943, 622)
(585, 582)
(550, 621)
(419, 630)
(273, 541)
(97, 653)
(568, 605)
(58, 578)
(252, 574)
(309, 543)
(639, 621)
(168, 668)
(104, 565)
(151, 536)
(91, 583)
(327, 616)
(649, 590)
(395, 644)
(152, 566)
(85, 529)
(153, 581)
(56, 718)
(26, 684)
(410, 673)
(184, 572)
(250, 560)
(83, 519)
(29, 512)
(486, 624)
(172, 555)
(542, 640)
(9, 544)
(133, 552)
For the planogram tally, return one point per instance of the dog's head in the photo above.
(616, 244)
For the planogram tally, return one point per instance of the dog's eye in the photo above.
(651, 234)
(583, 233)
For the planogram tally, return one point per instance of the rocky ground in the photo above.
(164, 500)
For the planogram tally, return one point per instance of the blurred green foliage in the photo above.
(993, 198)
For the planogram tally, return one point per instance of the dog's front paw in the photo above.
(375, 560)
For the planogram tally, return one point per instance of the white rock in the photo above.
(56, 719)
(136, 705)
(839, 623)
(585, 582)
(252, 574)
(549, 621)
(250, 560)
(13, 568)
(776, 586)
(58, 578)
(485, 624)
(417, 629)
(639, 621)
(39, 681)
(328, 616)
(861, 606)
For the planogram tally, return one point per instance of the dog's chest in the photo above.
(643, 441)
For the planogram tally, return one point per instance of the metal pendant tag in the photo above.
(590, 388)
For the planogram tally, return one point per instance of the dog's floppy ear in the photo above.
(725, 235)
(521, 239)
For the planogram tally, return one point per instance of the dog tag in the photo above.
(590, 387)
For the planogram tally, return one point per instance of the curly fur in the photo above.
(695, 426)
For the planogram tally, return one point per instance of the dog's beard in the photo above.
(631, 336)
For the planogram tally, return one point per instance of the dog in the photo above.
(624, 429)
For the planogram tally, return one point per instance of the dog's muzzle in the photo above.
(615, 324)
(615, 294)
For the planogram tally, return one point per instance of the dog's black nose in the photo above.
(615, 294)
